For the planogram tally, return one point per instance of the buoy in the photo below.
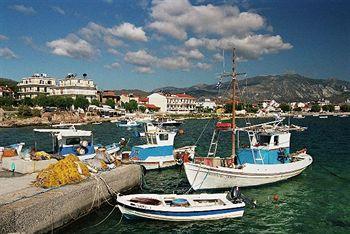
(181, 131)
(275, 197)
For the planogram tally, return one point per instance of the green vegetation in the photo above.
(6, 101)
(285, 107)
(95, 102)
(25, 111)
(241, 106)
(345, 108)
(297, 109)
(111, 103)
(142, 109)
(10, 83)
(131, 106)
(81, 102)
(315, 108)
(62, 102)
(328, 108)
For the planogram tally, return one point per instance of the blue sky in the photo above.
(149, 44)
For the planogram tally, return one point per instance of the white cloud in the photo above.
(140, 57)
(249, 47)
(93, 31)
(58, 9)
(7, 53)
(3, 37)
(143, 70)
(129, 31)
(174, 63)
(23, 9)
(143, 59)
(113, 51)
(191, 54)
(72, 46)
(114, 65)
(109, 40)
(218, 57)
(180, 16)
(204, 66)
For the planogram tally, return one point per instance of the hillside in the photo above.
(10, 83)
(283, 88)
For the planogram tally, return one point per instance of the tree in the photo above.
(95, 102)
(228, 108)
(6, 101)
(24, 111)
(111, 103)
(81, 102)
(285, 107)
(328, 108)
(133, 106)
(345, 108)
(27, 101)
(142, 109)
(41, 100)
(315, 108)
(297, 109)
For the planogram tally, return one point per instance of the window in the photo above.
(73, 141)
(163, 137)
(275, 140)
(264, 139)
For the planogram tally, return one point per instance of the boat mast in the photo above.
(234, 75)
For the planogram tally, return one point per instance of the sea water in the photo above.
(317, 201)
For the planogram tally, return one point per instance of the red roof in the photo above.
(151, 106)
(108, 93)
(143, 99)
(183, 95)
(5, 89)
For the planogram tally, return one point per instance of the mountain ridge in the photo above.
(282, 88)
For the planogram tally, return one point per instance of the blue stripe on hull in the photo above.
(186, 213)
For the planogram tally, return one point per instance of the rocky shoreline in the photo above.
(51, 118)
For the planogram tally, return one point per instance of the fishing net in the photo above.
(66, 171)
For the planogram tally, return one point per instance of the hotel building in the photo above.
(36, 84)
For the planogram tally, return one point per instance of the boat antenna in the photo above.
(223, 61)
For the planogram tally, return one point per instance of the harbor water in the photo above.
(317, 201)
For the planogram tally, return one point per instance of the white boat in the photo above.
(343, 116)
(164, 122)
(76, 142)
(128, 123)
(66, 125)
(298, 117)
(97, 123)
(316, 115)
(159, 150)
(265, 159)
(172, 207)
(323, 117)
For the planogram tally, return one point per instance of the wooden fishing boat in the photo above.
(265, 159)
(172, 207)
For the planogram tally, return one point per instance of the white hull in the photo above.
(195, 211)
(207, 177)
(156, 165)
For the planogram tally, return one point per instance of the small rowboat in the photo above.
(172, 207)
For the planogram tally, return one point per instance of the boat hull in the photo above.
(130, 213)
(156, 165)
(207, 177)
(133, 210)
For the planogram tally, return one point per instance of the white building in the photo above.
(159, 100)
(36, 84)
(174, 103)
(74, 86)
(206, 103)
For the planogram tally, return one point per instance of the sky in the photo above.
(147, 44)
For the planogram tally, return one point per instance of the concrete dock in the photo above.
(25, 208)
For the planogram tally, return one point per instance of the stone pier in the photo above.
(25, 208)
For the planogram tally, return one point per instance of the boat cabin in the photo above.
(265, 148)
(70, 141)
